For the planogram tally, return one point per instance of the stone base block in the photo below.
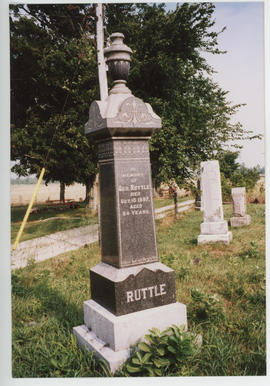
(225, 238)
(120, 332)
(214, 228)
(127, 290)
(88, 340)
(110, 336)
(240, 221)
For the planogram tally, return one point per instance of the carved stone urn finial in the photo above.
(121, 114)
(118, 60)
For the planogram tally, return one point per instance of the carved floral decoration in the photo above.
(134, 110)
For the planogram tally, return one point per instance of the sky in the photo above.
(241, 70)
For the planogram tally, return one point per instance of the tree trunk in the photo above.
(175, 199)
(62, 192)
(87, 200)
(155, 193)
(88, 187)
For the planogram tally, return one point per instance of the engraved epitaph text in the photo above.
(128, 232)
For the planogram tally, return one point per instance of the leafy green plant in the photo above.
(205, 307)
(258, 297)
(235, 286)
(162, 352)
(251, 252)
(168, 259)
(183, 273)
(256, 275)
(204, 254)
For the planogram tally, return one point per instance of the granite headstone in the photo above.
(240, 217)
(131, 291)
(214, 228)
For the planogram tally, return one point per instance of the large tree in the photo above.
(53, 81)
(170, 72)
(53, 65)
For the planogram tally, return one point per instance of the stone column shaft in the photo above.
(128, 234)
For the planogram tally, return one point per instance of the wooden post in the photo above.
(175, 199)
(102, 76)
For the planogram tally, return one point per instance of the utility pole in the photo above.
(102, 76)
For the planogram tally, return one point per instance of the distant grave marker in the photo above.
(214, 228)
(240, 217)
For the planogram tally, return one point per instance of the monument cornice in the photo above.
(121, 115)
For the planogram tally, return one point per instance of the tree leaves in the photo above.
(169, 71)
(53, 66)
(144, 347)
(54, 73)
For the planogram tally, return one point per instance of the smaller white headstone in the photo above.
(214, 228)
(240, 217)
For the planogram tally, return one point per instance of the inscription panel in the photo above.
(138, 292)
(135, 206)
(108, 217)
(127, 218)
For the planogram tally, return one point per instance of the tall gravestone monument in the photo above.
(131, 291)
(214, 228)
(240, 217)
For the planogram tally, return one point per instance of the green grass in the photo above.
(223, 287)
(49, 220)
(160, 202)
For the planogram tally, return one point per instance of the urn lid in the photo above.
(118, 60)
(117, 50)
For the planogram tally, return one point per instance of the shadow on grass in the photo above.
(191, 241)
(42, 340)
(52, 302)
